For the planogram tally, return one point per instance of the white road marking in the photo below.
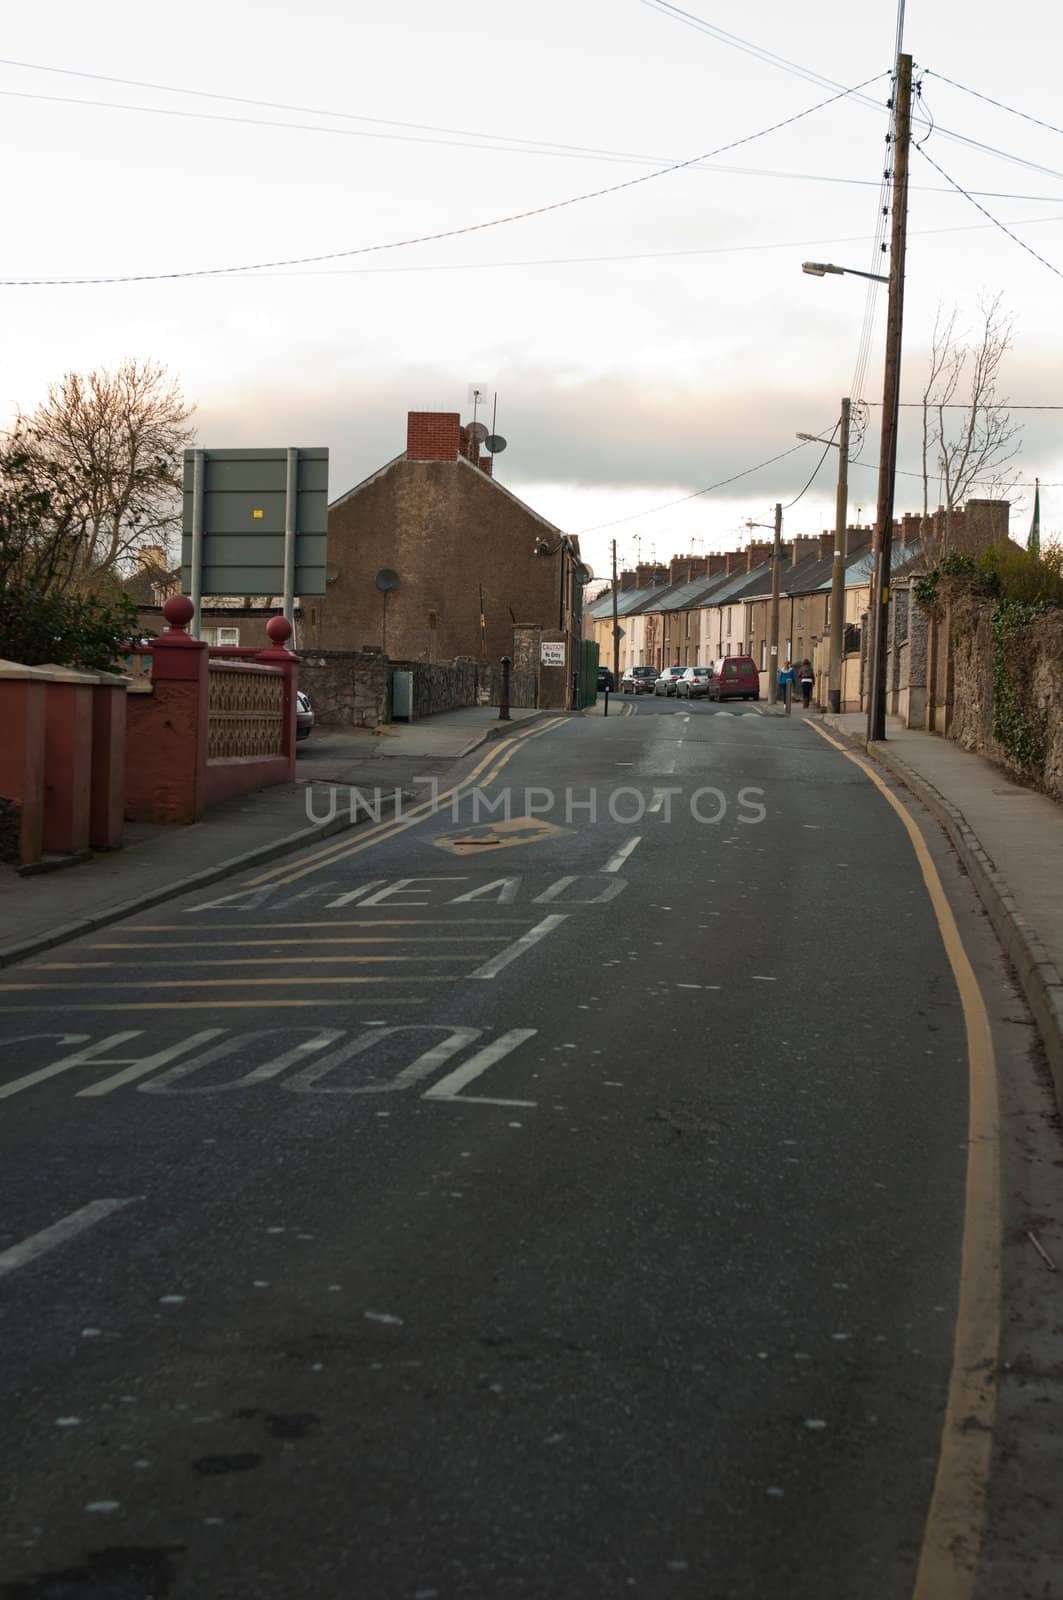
(616, 861)
(492, 968)
(449, 1088)
(38, 1244)
(147, 1064)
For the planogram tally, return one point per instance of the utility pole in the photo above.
(891, 389)
(837, 577)
(616, 627)
(773, 620)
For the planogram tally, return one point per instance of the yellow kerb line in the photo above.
(948, 1559)
(344, 851)
(380, 829)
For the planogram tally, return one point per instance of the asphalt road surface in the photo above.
(563, 1204)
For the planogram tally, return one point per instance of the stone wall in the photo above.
(352, 688)
(347, 688)
(972, 718)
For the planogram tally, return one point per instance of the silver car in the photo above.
(304, 715)
(694, 681)
(667, 680)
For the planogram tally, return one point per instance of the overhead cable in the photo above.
(994, 220)
(683, 498)
(446, 233)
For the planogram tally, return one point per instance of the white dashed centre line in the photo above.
(616, 861)
(38, 1244)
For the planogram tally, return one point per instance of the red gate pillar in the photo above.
(166, 745)
(108, 762)
(68, 760)
(278, 655)
(22, 709)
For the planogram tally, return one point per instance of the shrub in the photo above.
(39, 625)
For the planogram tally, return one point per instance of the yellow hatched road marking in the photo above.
(429, 808)
(214, 983)
(355, 938)
(386, 830)
(241, 961)
(948, 1560)
(218, 1005)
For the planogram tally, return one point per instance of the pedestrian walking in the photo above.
(807, 680)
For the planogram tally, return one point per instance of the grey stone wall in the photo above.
(347, 688)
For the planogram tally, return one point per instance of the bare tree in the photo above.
(118, 440)
(969, 436)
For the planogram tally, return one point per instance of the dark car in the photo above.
(638, 680)
(734, 678)
(605, 679)
(694, 681)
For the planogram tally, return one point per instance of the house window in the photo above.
(221, 636)
(763, 655)
(730, 609)
(826, 613)
(789, 657)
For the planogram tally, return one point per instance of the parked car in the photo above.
(638, 680)
(304, 715)
(667, 680)
(605, 679)
(694, 681)
(734, 678)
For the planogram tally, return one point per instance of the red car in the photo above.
(734, 678)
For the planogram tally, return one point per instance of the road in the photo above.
(579, 1204)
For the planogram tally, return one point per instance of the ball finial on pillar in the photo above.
(178, 611)
(279, 629)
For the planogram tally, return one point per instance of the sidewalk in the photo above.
(1009, 839)
(43, 909)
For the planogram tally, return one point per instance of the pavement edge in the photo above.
(222, 869)
(1041, 982)
(154, 897)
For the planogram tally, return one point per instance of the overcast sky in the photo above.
(643, 344)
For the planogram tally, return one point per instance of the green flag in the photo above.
(1033, 543)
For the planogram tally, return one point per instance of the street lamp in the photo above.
(819, 269)
(837, 577)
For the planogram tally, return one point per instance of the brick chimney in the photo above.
(683, 569)
(645, 575)
(826, 545)
(735, 561)
(628, 580)
(717, 564)
(804, 545)
(433, 436)
(487, 464)
(756, 555)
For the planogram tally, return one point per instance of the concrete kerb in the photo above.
(1041, 981)
(194, 880)
(211, 875)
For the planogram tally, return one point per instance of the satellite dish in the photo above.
(331, 573)
(386, 580)
(477, 431)
(495, 443)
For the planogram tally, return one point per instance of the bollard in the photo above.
(607, 702)
(503, 698)
(789, 694)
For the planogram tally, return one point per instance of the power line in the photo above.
(1000, 104)
(675, 13)
(635, 255)
(994, 220)
(826, 451)
(461, 138)
(683, 498)
(447, 233)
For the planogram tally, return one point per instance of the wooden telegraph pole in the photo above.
(891, 389)
(616, 627)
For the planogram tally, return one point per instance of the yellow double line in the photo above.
(495, 759)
